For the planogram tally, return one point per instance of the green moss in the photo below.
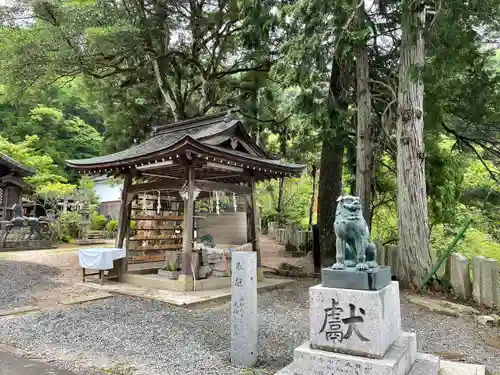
(120, 369)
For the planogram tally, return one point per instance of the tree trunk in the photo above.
(332, 154)
(364, 147)
(314, 173)
(351, 161)
(330, 188)
(413, 224)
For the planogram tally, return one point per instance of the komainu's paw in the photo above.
(372, 264)
(338, 266)
(361, 266)
(350, 263)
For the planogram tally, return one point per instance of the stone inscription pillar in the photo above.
(244, 319)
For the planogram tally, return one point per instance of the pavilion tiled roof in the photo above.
(22, 169)
(198, 135)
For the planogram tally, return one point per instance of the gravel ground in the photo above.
(155, 338)
(458, 339)
(128, 336)
(19, 281)
(133, 336)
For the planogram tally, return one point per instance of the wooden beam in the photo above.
(171, 184)
(159, 164)
(123, 224)
(223, 167)
(254, 226)
(187, 228)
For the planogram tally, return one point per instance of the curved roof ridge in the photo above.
(15, 164)
(194, 122)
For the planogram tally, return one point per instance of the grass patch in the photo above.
(454, 357)
(6, 255)
(120, 369)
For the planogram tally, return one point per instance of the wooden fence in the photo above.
(482, 285)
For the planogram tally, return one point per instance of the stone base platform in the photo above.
(350, 278)
(398, 360)
(197, 298)
(425, 364)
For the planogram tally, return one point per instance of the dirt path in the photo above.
(41, 278)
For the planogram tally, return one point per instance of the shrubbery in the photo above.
(112, 226)
(67, 227)
(97, 221)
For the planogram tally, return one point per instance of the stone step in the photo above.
(288, 370)
(397, 361)
(425, 364)
(456, 368)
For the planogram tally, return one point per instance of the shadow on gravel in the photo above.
(20, 280)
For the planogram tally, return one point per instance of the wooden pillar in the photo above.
(186, 275)
(254, 226)
(123, 224)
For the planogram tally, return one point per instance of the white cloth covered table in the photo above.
(100, 258)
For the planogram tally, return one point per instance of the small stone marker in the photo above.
(393, 259)
(381, 255)
(460, 276)
(490, 283)
(478, 276)
(244, 319)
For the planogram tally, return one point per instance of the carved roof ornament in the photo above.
(229, 116)
(234, 143)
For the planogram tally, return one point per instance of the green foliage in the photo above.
(86, 191)
(89, 76)
(67, 226)
(297, 201)
(445, 170)
(60, 138)
(112, 226)
(97, 222)
(27, 152)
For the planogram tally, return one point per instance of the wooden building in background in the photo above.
(12, 184)
(186, 160)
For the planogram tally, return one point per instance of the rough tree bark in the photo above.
(314, 174)
(330, 187)
(413, 224)
(332, 155)
(351, 160)
(364, 163)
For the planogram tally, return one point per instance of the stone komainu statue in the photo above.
(354, 248)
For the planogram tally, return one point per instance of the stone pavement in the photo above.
(14, 365)
(184, 299)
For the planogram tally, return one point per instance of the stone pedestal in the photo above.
(357, 322)
(358, 332)
(350, 278)
(398, 360)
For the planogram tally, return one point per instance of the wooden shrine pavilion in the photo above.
(192, 157)
(12, 184)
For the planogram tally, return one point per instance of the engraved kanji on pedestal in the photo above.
(244, 319)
